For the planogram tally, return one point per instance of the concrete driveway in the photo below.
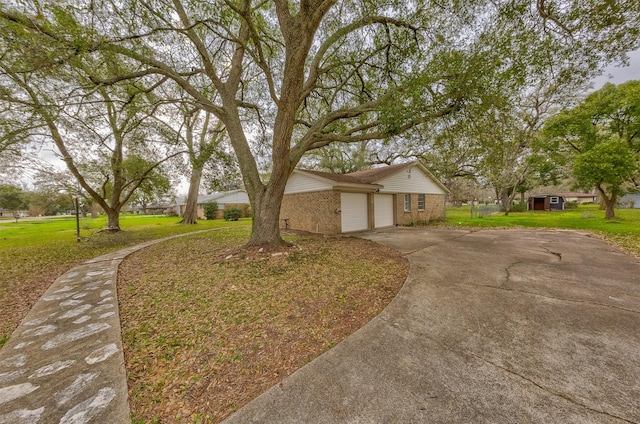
(492, 326)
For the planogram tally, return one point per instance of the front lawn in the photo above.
(208, 326)
(35, 252)
(623, 231)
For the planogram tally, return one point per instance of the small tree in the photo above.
(607, 167)
(599, 137)
(232, 214)
(11, 198)
(210, 210)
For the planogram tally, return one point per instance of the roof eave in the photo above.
(367, 188)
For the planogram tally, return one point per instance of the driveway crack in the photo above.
(557, 254)
(508, 271)
(558, 394)
(548, 297)
(513, 373)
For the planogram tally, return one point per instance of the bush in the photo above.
(210, 210)
(232, 214)
(519, 207)
(571, 205)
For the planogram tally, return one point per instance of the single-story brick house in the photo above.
(234, 198)
(327, 203)
(546, 202)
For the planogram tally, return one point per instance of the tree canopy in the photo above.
(286, 78)
(600, 137)
(12, 198)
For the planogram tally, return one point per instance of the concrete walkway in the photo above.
(64, 363)
(492, 326)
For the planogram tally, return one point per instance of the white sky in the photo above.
(618, 75)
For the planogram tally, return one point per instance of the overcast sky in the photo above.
(618, 75)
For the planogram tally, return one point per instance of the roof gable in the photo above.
(384, 175)
(377, 174)
(305, 180)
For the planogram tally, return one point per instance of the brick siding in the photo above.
(433, 209)
(315, 212)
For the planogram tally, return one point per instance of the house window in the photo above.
(554, 200)
(420, 202)
(407, 203)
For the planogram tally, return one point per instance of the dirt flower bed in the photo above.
(208, 326)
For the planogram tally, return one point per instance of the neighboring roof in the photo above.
(576, 194)
(546, 195)
(211, 197)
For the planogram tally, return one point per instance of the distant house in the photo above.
(630, 201)
(154, 209)
(546, 202)
(579, 197)
(327, 203)
(4, 213)
(227, 199)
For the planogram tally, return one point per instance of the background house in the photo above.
(11, 214)
(629, 201)
(579, 197)
(546, 202)
(322, 202)
(235, 198)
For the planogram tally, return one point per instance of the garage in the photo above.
(383, 210)
(354, 212)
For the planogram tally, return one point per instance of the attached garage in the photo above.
(328, 203)
(354, 212)
(383, 207)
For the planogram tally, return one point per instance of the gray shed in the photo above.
(546, 202)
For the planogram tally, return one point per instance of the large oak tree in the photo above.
(289, 77)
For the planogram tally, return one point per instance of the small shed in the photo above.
(546, 202)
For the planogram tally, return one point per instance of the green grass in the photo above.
(623, 231)
(35, 252)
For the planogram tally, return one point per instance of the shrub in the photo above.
(571, 205)
(519, 207)
(210, 210)
(232, 214)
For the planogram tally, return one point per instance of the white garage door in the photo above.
(353, 211)
(383, 210)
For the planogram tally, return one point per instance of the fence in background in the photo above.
(480, 211)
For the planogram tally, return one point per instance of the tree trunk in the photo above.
(113, 220)
(191, 208)
(505, 201)
(266, 214)
(609, 203)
